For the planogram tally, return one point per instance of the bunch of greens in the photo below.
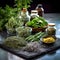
(7, 12)
(23, 31)
(26, 3)
(15, 42)
(2, 18)
(10, 11)
(5, 15)
(37, 22)
(35, 37)
(22, 4)
(12, 24)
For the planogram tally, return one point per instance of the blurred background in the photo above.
(50, 6)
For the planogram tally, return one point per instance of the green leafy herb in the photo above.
(5, 14)
(37, 22)
(15, 42)
(22, 4)
(35, 37)
(12, 24)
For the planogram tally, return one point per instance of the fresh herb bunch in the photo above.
(22, 4)
(36, 37)
(26, 3)
(2, 12)
(7, 12)
(23, 31)
(5, 15)
(37, 22)
(15, 42)
(12, 24)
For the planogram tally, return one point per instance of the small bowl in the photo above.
(48, 43)
(23, 31)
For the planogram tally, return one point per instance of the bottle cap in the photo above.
(34, 11)
(51, 24)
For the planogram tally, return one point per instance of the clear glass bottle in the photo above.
(40, 10)
(51, 30)
(25, 15)
(34, 13)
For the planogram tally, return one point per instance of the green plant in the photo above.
(2, 12)
(26, 3)
(15, 42)
(22, 4)
(37, 22)
(12, 24)
(9, 11)
(5, 14)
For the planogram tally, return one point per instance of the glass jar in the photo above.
(40, 10)
(34, 13)
(25, 15)
(51, 30)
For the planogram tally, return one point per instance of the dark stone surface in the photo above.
(55, 55)
(44, 49)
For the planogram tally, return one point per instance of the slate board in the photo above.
(44, 49)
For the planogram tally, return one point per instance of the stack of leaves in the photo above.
(37, 22)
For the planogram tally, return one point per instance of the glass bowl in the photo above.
(23, 31)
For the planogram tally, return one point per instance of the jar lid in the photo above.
(51, 24)
(24, 10)
(34, 11)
